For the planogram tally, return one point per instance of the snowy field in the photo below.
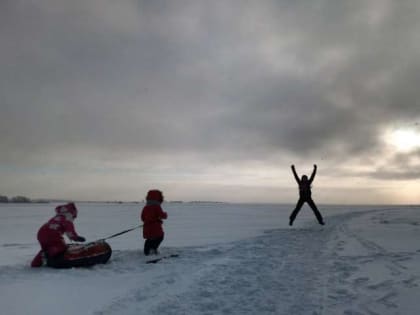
(234, 259)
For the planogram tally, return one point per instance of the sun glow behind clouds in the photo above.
(404, 140)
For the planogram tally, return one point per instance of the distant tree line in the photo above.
(16, 199)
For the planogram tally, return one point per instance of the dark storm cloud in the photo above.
(230, 79)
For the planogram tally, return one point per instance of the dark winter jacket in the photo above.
(304, 184)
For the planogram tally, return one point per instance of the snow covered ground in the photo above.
(234, 259)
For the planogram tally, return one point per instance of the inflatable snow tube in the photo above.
(86, 255)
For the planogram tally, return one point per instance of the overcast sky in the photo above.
(210, 100)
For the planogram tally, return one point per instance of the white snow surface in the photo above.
(233, 259)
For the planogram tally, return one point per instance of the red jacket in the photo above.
(50, 235)
(152, 216)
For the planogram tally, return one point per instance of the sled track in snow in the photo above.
(284, 271)
(352, 288)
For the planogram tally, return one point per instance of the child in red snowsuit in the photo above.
(50, 235)
(152, 216)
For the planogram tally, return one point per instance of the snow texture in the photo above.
(233, 259)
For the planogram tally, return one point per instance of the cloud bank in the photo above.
(173, 90)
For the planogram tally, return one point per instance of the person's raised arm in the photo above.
(313, 174)
(295, 174)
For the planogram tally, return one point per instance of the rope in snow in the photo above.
(120, 233)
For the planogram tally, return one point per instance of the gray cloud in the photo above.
(223, 82)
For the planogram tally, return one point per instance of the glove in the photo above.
(80, 239)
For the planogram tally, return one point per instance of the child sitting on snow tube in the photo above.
(50, 237)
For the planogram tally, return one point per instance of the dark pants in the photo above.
(299, 205)
(151, 245)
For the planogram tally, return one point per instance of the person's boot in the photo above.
(38, 260)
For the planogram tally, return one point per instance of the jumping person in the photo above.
(50, 236)
(152, 216)
(305, 196)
